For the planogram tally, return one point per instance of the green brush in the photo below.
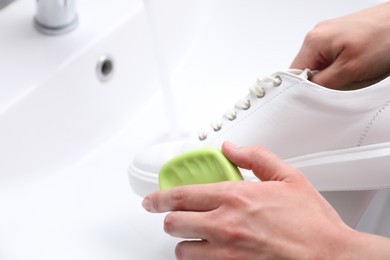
(204, 165)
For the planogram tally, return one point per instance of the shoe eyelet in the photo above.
(202, 136)
(248, 105)
(262, 95)
(279, 81)
(217, 129)
(234, 116)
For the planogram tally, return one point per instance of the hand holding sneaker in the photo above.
(338, 139)
(349, 49)
(281, 217)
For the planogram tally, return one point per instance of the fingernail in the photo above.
(146, 204)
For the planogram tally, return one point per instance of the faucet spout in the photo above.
(55, 17)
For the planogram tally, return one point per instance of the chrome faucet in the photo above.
(4, 3)
(55, 17)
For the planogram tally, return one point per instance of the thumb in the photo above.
(264, 164)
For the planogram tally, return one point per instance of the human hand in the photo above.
(348, 50)
(281, 217)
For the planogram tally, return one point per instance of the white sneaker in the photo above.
(339, 139)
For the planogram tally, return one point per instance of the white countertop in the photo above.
(87, 211)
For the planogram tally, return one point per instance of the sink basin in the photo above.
(54, 106)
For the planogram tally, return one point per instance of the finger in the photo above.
(334, 76)
(307, 59)
(198, 249)
(264, 164)
(335, 66)
(187, 224)
(315, 52)
(328, 74)
(201, 197)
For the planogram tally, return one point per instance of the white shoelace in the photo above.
(256, 90)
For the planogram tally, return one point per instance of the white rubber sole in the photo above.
(358, 168)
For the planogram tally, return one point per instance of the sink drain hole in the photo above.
(104, 68)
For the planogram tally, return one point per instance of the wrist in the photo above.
(359, 245)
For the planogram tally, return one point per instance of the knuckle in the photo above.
(233, 232)
(232, 235)
(237, 195)
(299, 175)
(260, 151)
(323, 24)
(157, 205)
(229, 253)
(178, 198)
(313, 36)
(320, 32)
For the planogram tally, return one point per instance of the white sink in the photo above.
(53, 107)
(60, 172)
(66, 138)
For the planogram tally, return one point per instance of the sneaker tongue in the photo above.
(304, 74)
